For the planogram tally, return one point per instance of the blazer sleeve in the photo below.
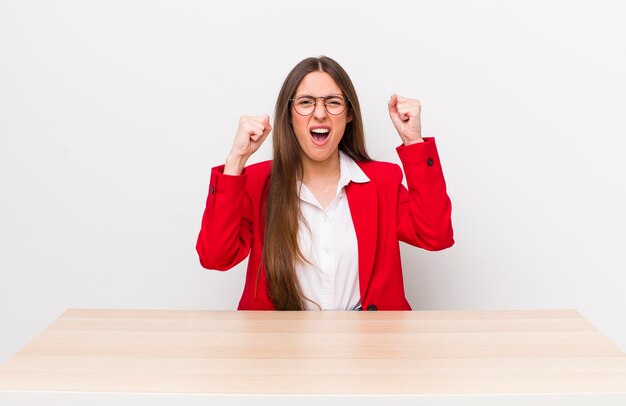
(226, 232)
(424, 210)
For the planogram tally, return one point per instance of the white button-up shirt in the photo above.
(328, 241)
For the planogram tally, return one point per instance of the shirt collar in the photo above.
(350, 171)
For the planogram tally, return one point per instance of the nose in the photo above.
(320, 109)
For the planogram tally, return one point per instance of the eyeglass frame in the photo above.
(325, 107)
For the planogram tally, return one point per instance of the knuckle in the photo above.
(244, 121)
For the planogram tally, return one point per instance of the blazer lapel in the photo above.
(363, 202)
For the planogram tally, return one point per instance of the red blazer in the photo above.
(383, 213)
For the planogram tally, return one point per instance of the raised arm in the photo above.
(424, 211)
(226, 232)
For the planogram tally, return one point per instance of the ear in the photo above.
(349, 117)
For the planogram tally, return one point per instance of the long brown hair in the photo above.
(280, 246)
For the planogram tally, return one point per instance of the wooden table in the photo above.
(159, 357)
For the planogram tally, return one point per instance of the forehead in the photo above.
(318, 84)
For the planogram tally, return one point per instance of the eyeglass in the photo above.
(305, 105)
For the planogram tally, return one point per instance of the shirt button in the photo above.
(211, 190)
(430, 162)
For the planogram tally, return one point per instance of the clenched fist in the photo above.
(405, 115)
(252, 131)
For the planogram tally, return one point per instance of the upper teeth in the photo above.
(320, 130)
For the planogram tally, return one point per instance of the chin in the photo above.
(320, 157)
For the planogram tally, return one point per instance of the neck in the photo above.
(321, 170)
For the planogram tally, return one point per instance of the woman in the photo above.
(322, 222)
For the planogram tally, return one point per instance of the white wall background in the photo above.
(112, 113)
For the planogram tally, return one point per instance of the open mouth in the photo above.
(320, 135)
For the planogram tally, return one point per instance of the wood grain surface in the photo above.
(376, 353)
